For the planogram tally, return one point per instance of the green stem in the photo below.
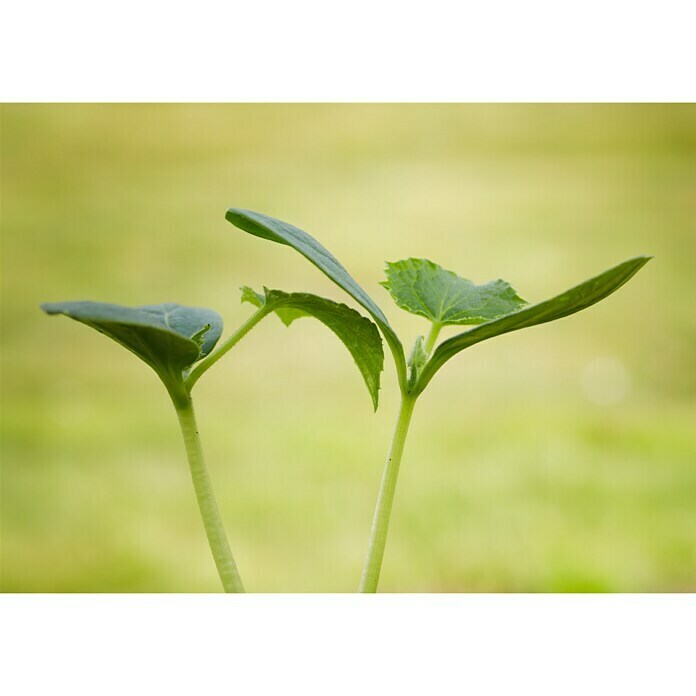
(227, 568)
(432, 337)
(385, 500)
(232, 341)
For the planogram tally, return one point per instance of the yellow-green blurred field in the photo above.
(561, 458)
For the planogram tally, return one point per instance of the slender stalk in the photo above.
(432, 337)
(385, 500)
(232, 341)
(227, 568)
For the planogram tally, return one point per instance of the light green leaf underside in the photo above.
(168, 337)
(283, 233)
(563, 305)
(358, 333)
(422, 287)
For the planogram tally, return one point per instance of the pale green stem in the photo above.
(227, 568)
(432, 337)
(385, 500)
(232, 341)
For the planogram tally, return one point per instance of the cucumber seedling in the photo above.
(177, 342)
(443, 298)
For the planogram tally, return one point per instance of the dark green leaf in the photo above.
(168, 337)
(189, 322)
(284, 233)
(422, 287)
(358, 333)
(569, 302)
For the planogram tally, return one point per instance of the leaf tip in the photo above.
(233, 213)
(243, 219)
(51, 308)
(637, 262)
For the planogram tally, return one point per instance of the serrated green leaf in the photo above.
(574, 300)
(252, 297)
(168, 337)
(285, 314)
(422, 287)
(283, 233)
(358, 333)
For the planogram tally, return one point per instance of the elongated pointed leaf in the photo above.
(422, 287)
(168, 337)
(283, 233)
(357, 332)
(569, 302)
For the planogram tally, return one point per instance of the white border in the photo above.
(365, 50)
(343, 644)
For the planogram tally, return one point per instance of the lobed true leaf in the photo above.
(422, 287)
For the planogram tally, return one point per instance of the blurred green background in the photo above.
(560, 458)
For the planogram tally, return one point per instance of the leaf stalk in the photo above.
(205, 364)
(432, 338)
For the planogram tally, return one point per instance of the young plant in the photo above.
(443, 298)
(177, 343)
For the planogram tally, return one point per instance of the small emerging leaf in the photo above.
(199, 337)
(571, 301)
(284, 233)
(416, 361)
(168, 337)
(358, 333)
(422, 287)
